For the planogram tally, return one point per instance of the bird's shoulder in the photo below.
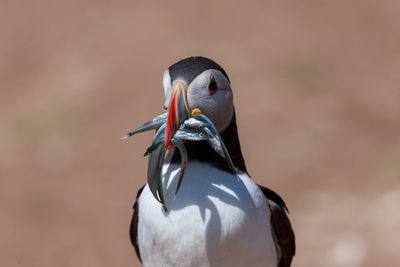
(281, 227)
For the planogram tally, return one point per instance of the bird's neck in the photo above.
(201, 151)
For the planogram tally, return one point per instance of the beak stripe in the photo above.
(178, 111)
(171, 120)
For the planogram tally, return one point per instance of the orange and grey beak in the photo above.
(178, 111)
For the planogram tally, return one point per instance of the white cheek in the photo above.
(200, 99)
(218, 107)
(166, 84)
(224, 109)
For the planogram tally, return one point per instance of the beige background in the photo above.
(317, 95)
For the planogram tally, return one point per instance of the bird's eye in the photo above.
(212, 86)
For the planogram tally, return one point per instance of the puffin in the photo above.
(220, 216)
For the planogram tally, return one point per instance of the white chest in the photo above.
(216, 219)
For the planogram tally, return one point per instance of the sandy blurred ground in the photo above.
(317, 96)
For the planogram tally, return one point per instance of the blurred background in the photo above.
(317, 97)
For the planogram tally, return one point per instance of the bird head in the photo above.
(196, 85)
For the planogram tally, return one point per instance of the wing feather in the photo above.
(134, 224)
(281, 227)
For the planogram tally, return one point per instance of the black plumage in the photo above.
(189, 68)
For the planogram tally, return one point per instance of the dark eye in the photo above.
(212, 86)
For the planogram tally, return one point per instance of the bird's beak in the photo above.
(178, 111)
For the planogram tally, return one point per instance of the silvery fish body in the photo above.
(196, 128)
